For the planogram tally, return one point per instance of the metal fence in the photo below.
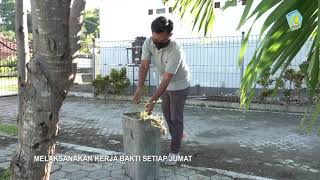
(213, 62)
(8, 68)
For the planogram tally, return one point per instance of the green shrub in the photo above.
(288, 77)
(298, 81)
(8, 66)
(5, 174)
(114, 83)
(265, 81)
(9, 35)
(266, 93)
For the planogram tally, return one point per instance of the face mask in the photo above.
(161, 45)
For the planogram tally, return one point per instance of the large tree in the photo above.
(50, 73)
(277, 46)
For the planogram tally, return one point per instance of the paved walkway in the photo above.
(225, 144)
(91, 170)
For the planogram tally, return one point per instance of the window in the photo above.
(161, 11)
(244, 2)
(150, 11)
(217, 5)
(170, 9)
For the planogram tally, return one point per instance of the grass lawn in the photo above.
(9, 88)
(6, 80)
(9, 84)
(9, 129)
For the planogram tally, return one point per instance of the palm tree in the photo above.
(277, 46)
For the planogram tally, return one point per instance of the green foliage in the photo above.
(114, 83)
(298, 81)
(294, 78)
(8, 66)
(100, 84)
(202, 12)
(9, 35)
(7, 15)
(89, 30)
(265, 81)
(9, 61)
(278, 45)
(5, 174)
(288, 77)
(289, 74)
(86, 44)
(91, 22)
(287, 94)
(265, 93)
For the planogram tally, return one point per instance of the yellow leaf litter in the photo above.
(156, 121)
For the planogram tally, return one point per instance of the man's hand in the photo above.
(137, 95)
(149, 107)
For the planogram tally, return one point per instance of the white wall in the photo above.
(212, 65)
(123, 19)
(227, 21)
(127, 19)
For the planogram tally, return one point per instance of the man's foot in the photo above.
(172, 159)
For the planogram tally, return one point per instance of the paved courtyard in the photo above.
(224, 144)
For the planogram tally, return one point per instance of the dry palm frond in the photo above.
(156, 121)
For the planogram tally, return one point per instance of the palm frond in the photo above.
(201, 11)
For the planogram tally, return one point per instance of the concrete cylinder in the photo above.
(141, 139)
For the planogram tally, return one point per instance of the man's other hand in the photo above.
(137, 95)
(149, 107)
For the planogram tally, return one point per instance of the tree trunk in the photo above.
(22, 46)
(22, 39)
(50, 74)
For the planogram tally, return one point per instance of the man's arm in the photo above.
(162, 87)
(143, 71)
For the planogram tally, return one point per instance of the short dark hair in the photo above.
(162, 24)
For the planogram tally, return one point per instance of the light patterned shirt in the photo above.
(170, 59)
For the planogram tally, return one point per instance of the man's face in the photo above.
(162, 37)
(161, 40)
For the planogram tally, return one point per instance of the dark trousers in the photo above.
(172, 107)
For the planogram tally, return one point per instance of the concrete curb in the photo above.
(217, 104)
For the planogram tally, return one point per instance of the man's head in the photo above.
(161, 31)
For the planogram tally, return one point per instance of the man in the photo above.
(175, 80)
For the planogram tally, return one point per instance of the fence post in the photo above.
(242, 61)
(93, 64)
